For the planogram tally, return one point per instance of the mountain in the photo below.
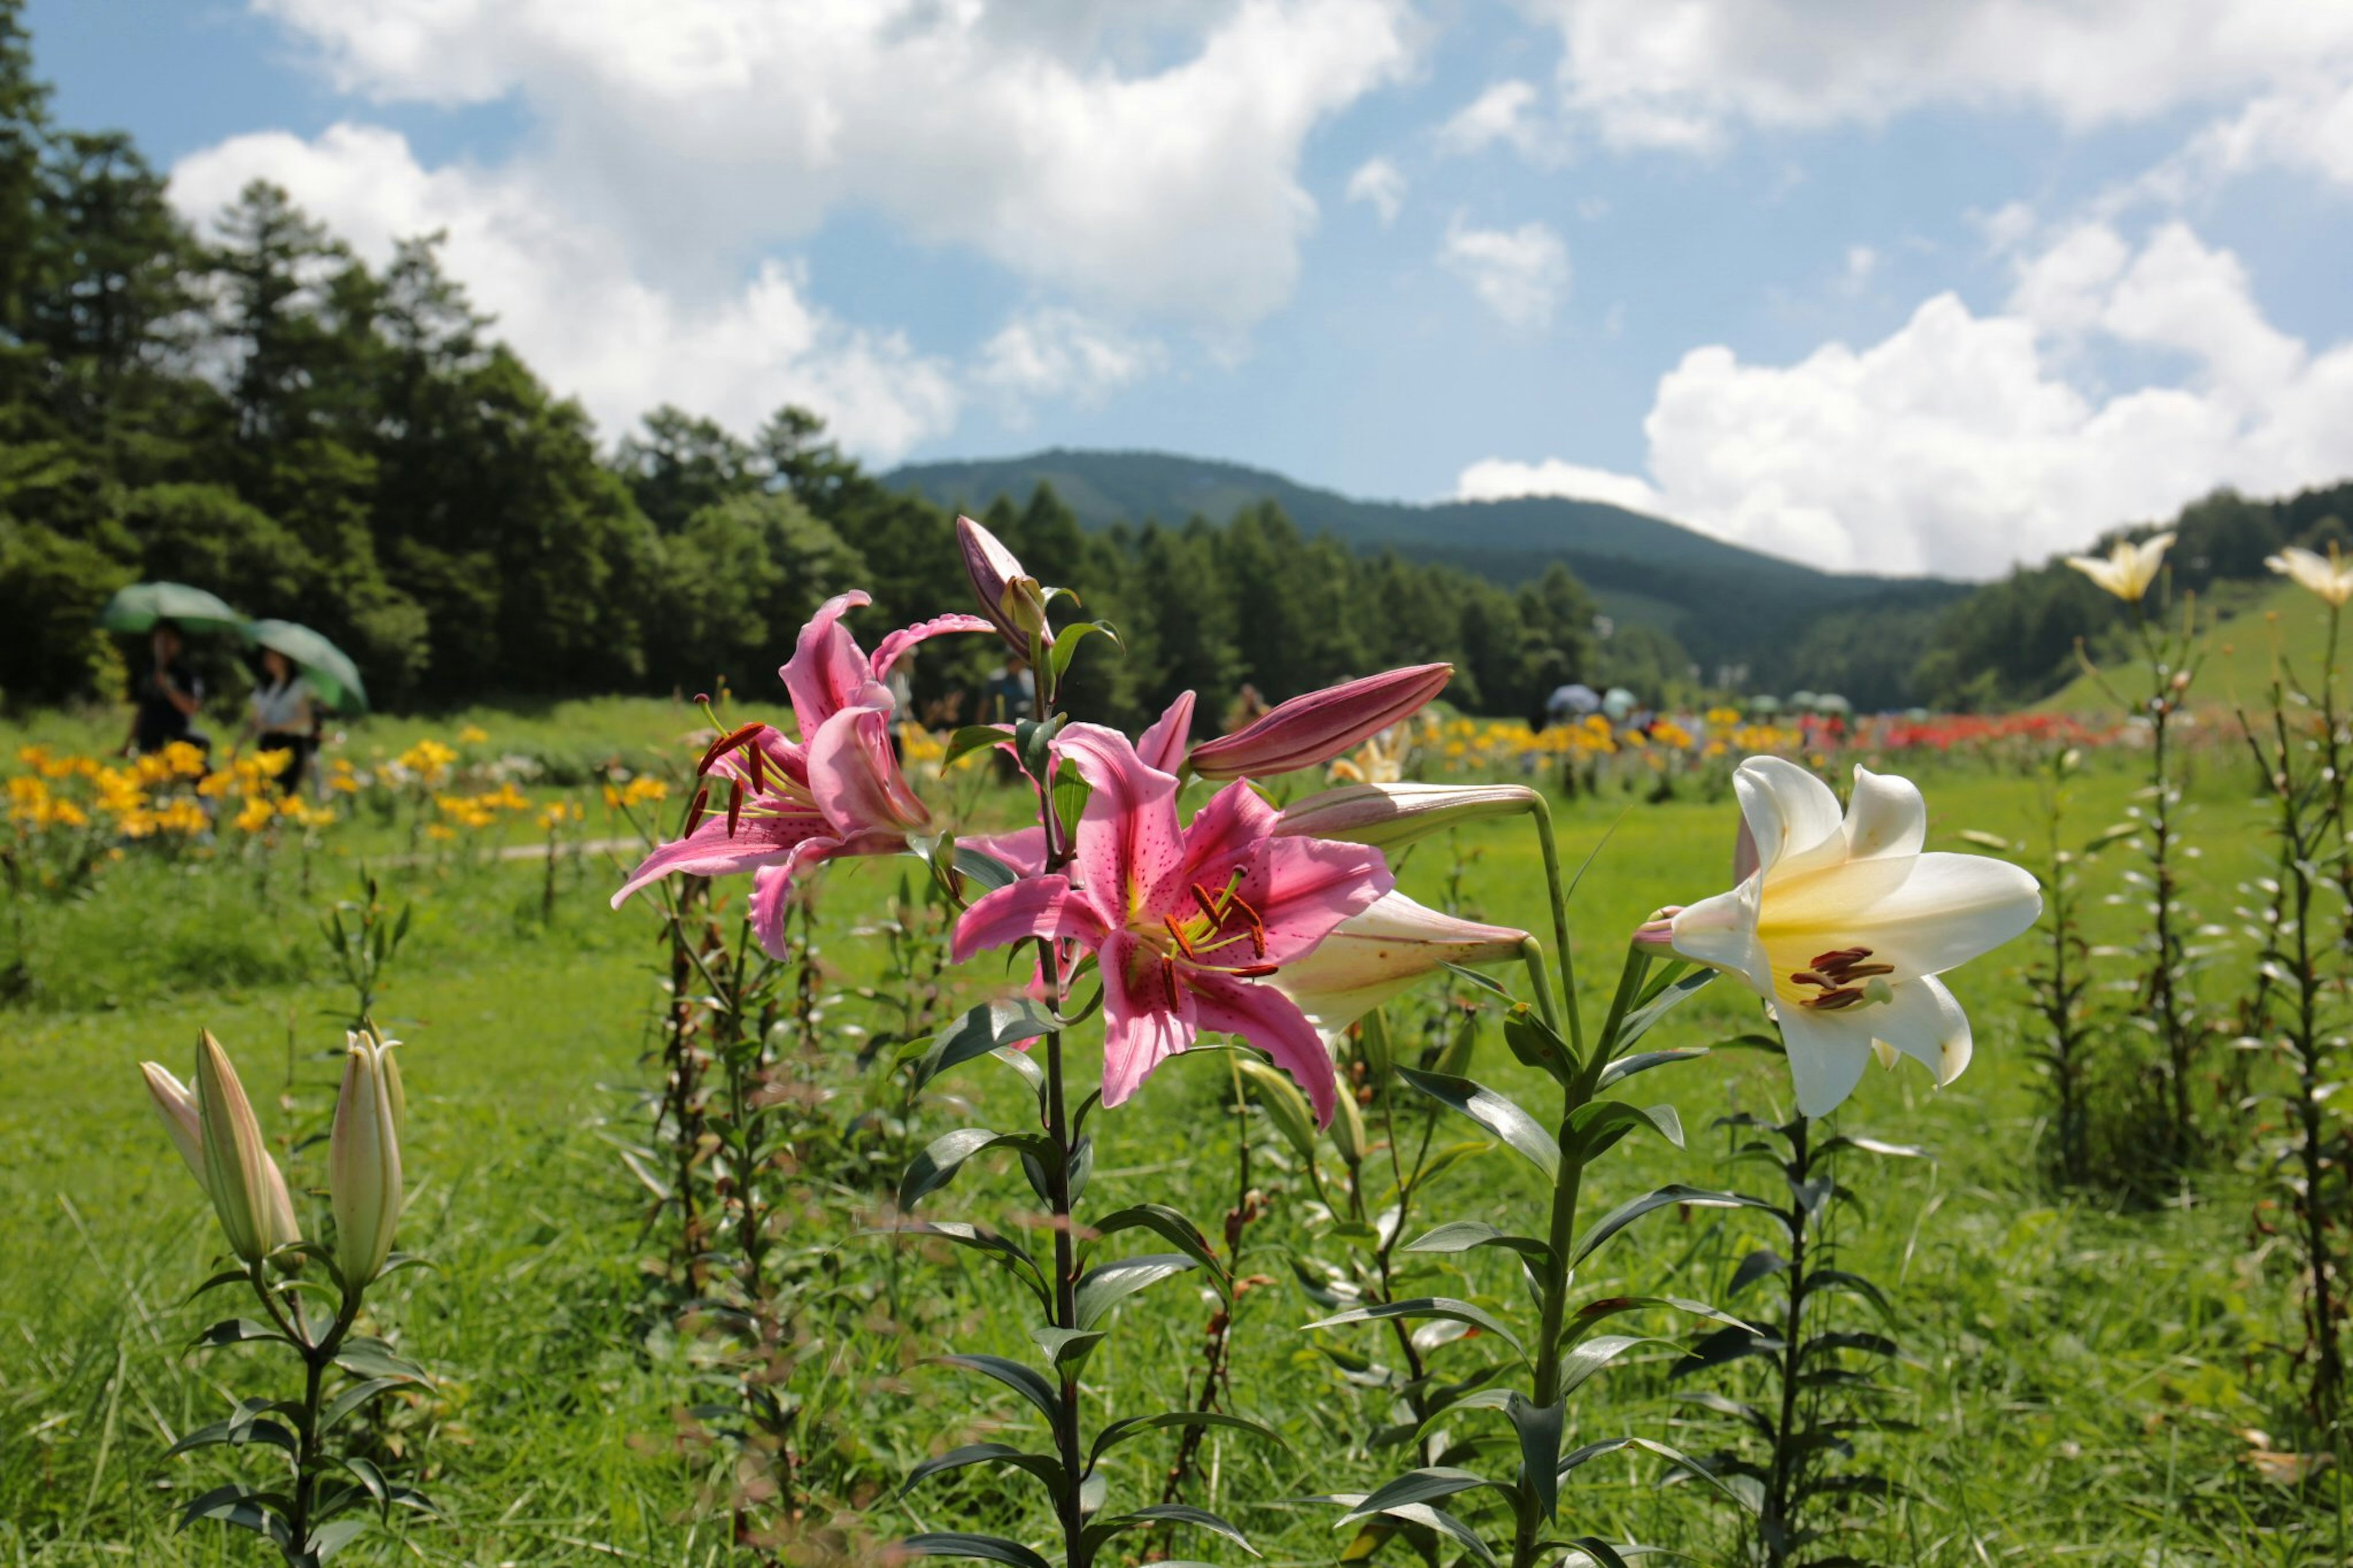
(1788, 622)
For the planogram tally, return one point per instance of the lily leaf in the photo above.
(1539, 1428)
(964, 1544)
(1493, 1112)
(1627, 1213)
(1427, 1306)
(979, 1031)
(1418, 1486)
(1026, 1381)
(1045, 1467)
(1119, 1432)
(1662, 999)
(1106, 1285)
(1463, 1235)
(1170, 1225)
(937, 1165)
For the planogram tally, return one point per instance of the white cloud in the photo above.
(1861, 261)
(1142, 156)
(1504, 112)
(567, 297)
(1685, 72)
(1380, 182)
(1055, 354)
(1957, 446)
(1498, 478)
(1520, 273)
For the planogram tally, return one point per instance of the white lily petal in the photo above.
(1828, 1052)
(1720, 932)
(1950, 909)
(1886, 818)
(1788, 811)
(1923, 1021)
(1390, 946)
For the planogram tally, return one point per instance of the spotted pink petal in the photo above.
(1227, 835)
(1024, 848)
(1143, 1026)
(855, 778)
(1164, 745)
(1033, 907)
(1274, 1023)
(1303, 889)
(828, 671)
(712, 851)
(888, 653)
(1127, 837)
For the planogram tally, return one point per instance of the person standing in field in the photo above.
(282, 717)
(167, 698)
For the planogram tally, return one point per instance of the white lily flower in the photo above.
(1842, 924)
(2325, 576)
(2127, 569)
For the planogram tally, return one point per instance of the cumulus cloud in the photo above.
(1051, 353)
(1685, 73)
(1520, 274)
(1959, 444)
(1141, 156)
(1380, 182)
(1506, 112)
(1499, 479)
(567, 297)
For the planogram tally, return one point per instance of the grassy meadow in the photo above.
(2081, 1374)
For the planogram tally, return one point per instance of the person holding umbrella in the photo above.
(282, 717)
(167, 698)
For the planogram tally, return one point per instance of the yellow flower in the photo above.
(472, 735)
(433, 830)
(258, 814)
(182, 816)
(183, 760)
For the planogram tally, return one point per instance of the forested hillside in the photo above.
(258, 411)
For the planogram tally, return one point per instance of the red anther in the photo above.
(1257, 925)
(695, 812)
(1858, 971)
(756, 756)
(1255, 971)
(1177, 931)
(734, 806)
(1208, 905)
(1831, 1001)
(1168, 980)
(1808, 977)
(726, 743)
(1839, 956)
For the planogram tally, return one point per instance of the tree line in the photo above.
(259, 412)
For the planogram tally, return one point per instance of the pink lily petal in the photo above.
(1024, 848)
(855, 778)
(1303, 889)
(1127, 837)
(1164, 745)
(1226, 835)
(827, 672)
(1032, 907)
(1274, 1023)
(1143, 1024)
(887, 653)
(771, 883)
(1310, 731)
(710, 851)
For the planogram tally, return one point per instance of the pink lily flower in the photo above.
(1190, 925)
(836, 791)
(1308, 732)
(1162, 746)
(1010, 597)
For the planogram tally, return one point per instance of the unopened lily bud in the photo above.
(1308, 732)
(1009, 597)
(1392, 815)
(177, 1104)
(364, 1160)
(248, 1192)
(1659, 931)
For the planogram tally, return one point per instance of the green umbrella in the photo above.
(137, 607)
(329, 669)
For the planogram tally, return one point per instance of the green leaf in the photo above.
(237, 1331)
(246, 1507)
(354, 1396)
(1070, 796)
(1171, 1513)
(1045, 1467)
(1599, 1552)
(1534, 1043)
(1066, 644)
(1106, 1285)
(1463, 1235)
(1609, 1306)
(1598, 1125)
(330, 1539)
(1591, 1355)
(972, 738)
(1065, 1347)
(1539, 1428)
(996, 1248)
(371, 1479)
(983, 869)
(1445, 1306)
(981, 1030)
(1627, 1066)
(1024, 1380)
(1421, 1486)
(937, 1165)
(1171, 1227)
(1841, 1279)
(225, 1276)
(1493, 1112)
(1119, 1432)
(236, 1432)
(1486, 982)
(1374, 1044)
(963, 1543)
(370, 1358)
(1627, 1213)
(1662, 998)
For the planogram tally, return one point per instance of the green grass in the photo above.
(2253, 625)
(2078, 1373)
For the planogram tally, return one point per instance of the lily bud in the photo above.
(1308, 732)
(177, 1104)
(1009, 597)
(248, 1192)
(1370, 957)
(364, 1160)
(1390, 816)
(1658, 932)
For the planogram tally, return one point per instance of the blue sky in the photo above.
(1928, 287)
